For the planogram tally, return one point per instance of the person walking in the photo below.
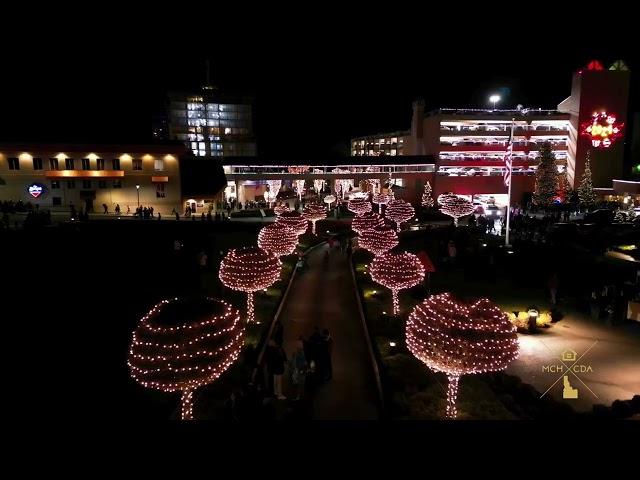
(106, 208)
(276, 361)
(117, 209)
(299, 367)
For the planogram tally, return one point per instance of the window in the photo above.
(86, 164)
(158, 165)
(14, 164)
(137, 164)
(71, 184)
(68, 164)
(86, 183)
(160, 193)
(37, 164)
(102, 184)
(57, 201)
(55, 184)
(53, 164)
(117, 184)
(115, 164)
(100, 163)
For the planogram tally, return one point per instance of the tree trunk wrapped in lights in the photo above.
(329, 199)
(399, 211)
(366, 221)
(359, 205)
(294, 221)
(457, 339)
(249, 270)
(182, 344)
(397, 271)
(378, 240)
(313, 213)
(277, 239)
(455, 206)
(274, 189)
(380, 199)
(427, 196)
(280, 208)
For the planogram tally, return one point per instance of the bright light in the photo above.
(137, 187)
(494, 99)
(392, 344)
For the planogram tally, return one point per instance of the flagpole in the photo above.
(506, 240)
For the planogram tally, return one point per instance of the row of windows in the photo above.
(88, 184)
(69, 164)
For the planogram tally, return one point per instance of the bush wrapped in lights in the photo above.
(399, 211)
(455, 206)
(359, 206)
(314, 212)
(397, 271)
(380, 199)
(249, 270)
(182, 344)
(294, 221)
(366, 221)
(277, 239)
(457, 339)
(378, 240)
(280, 208)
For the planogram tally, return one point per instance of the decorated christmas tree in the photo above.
(564, 188)
(585, 191)
(546, 177)
(427, 196)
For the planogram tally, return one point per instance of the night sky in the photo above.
(314, 89)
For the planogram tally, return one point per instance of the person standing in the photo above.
(117, 209)
(106, 208)
(299, 367)
(276, 361)
(278, 333)
(553, 288)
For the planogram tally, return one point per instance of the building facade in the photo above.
(211, 124)
(88, 176)
(384, 144)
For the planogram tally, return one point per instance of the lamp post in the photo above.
(494, 99)
(138, 193)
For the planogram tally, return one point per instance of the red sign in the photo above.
(35, 190)
(603, 129)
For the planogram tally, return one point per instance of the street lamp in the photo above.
(138, 192)
(494, 99)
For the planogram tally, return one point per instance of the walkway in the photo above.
(324, 296)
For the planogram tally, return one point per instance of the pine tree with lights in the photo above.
(427, 196)
(585, 191)
(546, 177)
(564, 188)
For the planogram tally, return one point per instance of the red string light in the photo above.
(366, 221)
(277, 239)
(281, 208)
(380, 199)
(359, 205)
(399, 211)
(457, 339)
(314, 212)
(182, 344)
(378, 240)
(397, 271)
(455, 206)
(294, 221)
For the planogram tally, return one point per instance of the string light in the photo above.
(378, 240)
(399, 211)
(274, 189)
(278, 239)
(249, 269)
(280, 208)
(366, 221)
(329, 199)
(359, 205)
(294, 221)
(380, 199)
(318, 183)
(182, 344)
(427, 196)
(457, 339)
(603, 129)
(455, 206)
(314, 212)
(397, 271)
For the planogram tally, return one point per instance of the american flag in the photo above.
(507, 159)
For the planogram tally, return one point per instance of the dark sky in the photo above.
(314, 89)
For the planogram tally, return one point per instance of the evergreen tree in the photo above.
(427, 196)
(546, 177)
(564, 189)
(585, 191)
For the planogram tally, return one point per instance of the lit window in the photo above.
(137, 164)
(53, 164)
(201, 153)
(160, 190)
(100, 163)
(158, 164)
(227, 131)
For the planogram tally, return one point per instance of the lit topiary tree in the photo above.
(458, 339)
(294, 221)
(378, 240)
(397, 271)
(366, 221)
(399, 211)
(277, 239)
(380, 199)
(280, 208)
(313, 213)
(249, 270)
(455, 206)
(359, 206)
(182, 344)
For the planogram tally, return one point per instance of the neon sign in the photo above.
(35, 190)
(603, 129)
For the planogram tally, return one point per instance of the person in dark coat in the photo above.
(276, 361)
(278, 333)
(325, 367)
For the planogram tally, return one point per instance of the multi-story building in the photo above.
(384, 144)
(87, 176)
(211, 124)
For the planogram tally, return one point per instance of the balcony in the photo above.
(483, 147)
(84, 174)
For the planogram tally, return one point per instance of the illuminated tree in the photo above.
(318, 183)
(274, 189)
(563, 191)
(277, 239)
(378, 240)
(366, 221)
(546, 177)
(585, 191)
(182, 344)
(397, 271)
(280, 208)
(380, 199)
(329, 199)
(427, 196)
(457, 339)
(294, 221)
(313, 213)
(399, 211)
(249, 270)
(455, 206)
(359, 206)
